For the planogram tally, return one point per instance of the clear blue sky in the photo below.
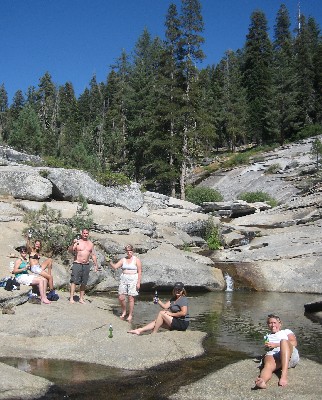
(74, 39)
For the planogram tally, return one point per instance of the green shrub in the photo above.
(212, 236)
(199, 195)
(253, 197)
(110, 178)
(55, 232)
(308, 131)
(273, 168)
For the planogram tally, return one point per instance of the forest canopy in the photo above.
(158, 114)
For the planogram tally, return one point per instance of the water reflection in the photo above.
(235, 323)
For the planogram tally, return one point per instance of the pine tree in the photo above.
(47, 109)
(305, 74)
(190, 53)
(117, 95)
(26, 133)
(3, 111)
(284, 78)
(233, 106)
(258, 79)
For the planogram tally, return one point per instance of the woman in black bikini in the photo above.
(174, 316)
(40, 269)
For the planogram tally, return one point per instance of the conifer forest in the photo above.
(158, 114)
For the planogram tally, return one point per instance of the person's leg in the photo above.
(72, 292)
(270, 365)
(286, 352)
(122, 301)
(131, 308)
(49, 279)
(144, 328)
(163, 320)
(82, 293)
(48, 263)
(42, 284)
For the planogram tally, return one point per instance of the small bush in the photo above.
(55, 232)
(253, 197)
(199, 195)
(109, 178)
(273, 168)
(212, 236)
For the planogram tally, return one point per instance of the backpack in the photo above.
(12, 284)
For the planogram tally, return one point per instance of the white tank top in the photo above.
(132, 266)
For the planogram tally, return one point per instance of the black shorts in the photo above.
(179, 324)
(80, 274)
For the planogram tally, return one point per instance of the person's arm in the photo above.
(292, 339)
(182, 313)
(17, 270)
(165, 306)
(73, 247)
(28, 245)
(139, 267)
(94, 258)
(116, 265)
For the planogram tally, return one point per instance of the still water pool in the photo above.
(235, 323)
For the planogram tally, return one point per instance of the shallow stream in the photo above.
(235, 323)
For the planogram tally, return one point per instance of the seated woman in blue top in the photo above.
(174, 316)
(21, 271)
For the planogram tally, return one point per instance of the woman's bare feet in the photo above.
(45, 300)
(122, 316)
(81, 301)
(135, 331)
(129, 318)
(283, 381)
(260, 383)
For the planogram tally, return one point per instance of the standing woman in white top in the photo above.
(281, 352)
(130, 280)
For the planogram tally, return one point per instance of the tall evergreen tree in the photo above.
(47, 109)
(284, 78)
(26, 133)
(190, 53)
(258, 79)
(3, 111)
(305, 74)
(233, 105)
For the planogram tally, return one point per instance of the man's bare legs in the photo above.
(72, 292)
(82, 294)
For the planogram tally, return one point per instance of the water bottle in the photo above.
(266, 339)
(110, 331)
(156, 297)
(30, 232)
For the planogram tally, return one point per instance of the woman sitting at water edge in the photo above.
(281, 352)
(21, 270)
(174, 316)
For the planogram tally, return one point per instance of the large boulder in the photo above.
(24, 183)
(165, 265)
(71, 184)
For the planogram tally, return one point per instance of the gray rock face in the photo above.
(166, 265)
(71, 184)
(24, 184)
